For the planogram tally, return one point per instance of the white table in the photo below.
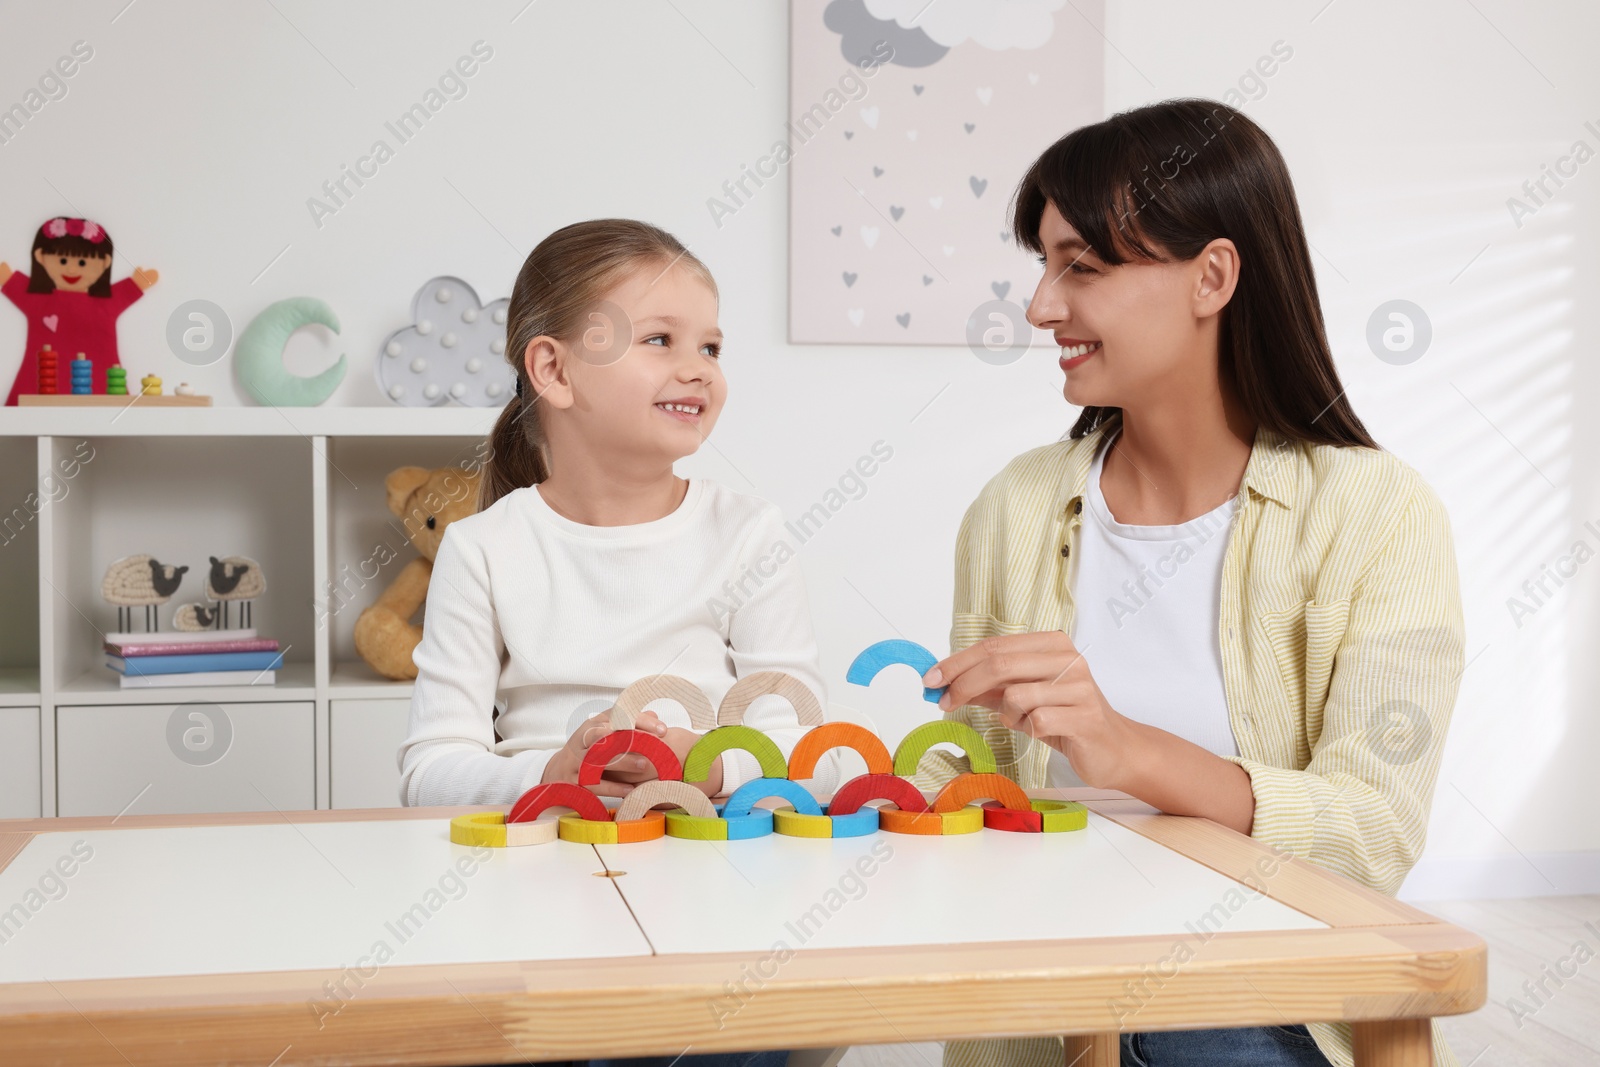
(367, 937)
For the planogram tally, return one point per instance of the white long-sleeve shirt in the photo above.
(555, 618)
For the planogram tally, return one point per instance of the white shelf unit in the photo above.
(301, 490)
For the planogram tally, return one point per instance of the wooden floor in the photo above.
(1557, 1025)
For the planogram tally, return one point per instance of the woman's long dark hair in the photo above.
(1160, 182)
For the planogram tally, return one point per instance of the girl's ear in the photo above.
(545, 360)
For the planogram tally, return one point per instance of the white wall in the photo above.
(197, 132)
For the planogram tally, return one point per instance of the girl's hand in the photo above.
(5, 272)
(677, 739)
(563, 766)
(142, 277)
(634, 769)
(1040, 685)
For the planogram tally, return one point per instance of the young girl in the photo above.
(70, 301)
(590, 564)
(1263, 606)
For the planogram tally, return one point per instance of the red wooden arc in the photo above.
(864, 787)
(621, 742)
(996, 816)
(558, 795)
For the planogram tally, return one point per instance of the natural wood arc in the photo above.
(799, 695)
(1393, 1043)
(1092, 1050)
(647, 795)
(632, 701)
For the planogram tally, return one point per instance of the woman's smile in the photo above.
(1074, 353)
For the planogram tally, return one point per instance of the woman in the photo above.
(1292, 678)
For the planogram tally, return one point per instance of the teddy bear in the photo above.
(426, 501)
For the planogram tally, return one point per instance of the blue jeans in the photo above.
(1255, 1046)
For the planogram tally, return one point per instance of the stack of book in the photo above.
(209, 657)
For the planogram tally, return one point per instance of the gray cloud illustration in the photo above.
(859, 34)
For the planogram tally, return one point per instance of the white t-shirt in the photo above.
(555, 618)
(1148, 600)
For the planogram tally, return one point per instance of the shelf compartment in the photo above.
(182, 500)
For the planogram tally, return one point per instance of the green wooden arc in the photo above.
(916, 744)
(697, 766)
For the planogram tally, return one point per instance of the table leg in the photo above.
(1093, 1050)
(1394, 1043)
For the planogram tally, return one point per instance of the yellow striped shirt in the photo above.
(1342, 640)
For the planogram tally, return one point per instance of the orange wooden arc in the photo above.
(737, 700)
(819, 739)
(963, 789)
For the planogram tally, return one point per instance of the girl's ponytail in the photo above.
(559, 286)
(516, 449)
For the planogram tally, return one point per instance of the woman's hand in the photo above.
(1039, 684)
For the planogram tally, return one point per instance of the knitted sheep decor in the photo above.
(140, 581)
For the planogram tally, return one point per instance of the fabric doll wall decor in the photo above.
(69, 299)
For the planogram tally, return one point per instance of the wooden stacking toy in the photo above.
(977, 800)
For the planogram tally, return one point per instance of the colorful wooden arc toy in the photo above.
(864, 787)
(651, 825)
(981, 798)
(621, 743)
(811, 746)
(632, 701)
(744, 692)
(1042, 816)
(874, 658)
(916, 744)
(792, 823)
(489, 828)
(962, 821)
(648, 795)
(541, 798)
(697, 765)
(963, 789)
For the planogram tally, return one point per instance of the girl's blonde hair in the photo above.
(560, 284)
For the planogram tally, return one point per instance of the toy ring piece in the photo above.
(609, 832)
(489, 828)
(631, 702)
(621, 742)
(874, 658)
(647, 795)
(541, 798)
(814, 742)
(800, 697)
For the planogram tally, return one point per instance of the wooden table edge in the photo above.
(570, 1009)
